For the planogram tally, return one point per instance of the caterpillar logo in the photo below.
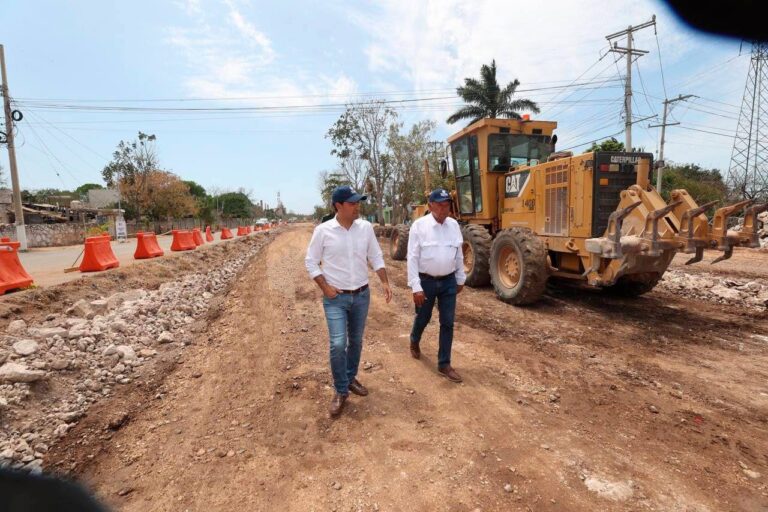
(617, 159)
(515, 183)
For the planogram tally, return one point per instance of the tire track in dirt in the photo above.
(555, 403)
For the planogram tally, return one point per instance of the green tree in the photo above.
(205, 203)
(612, 145)
(607, 145)
(82, 190)
(703, 185)
(235, 205)
(196, 189)
(485, 98)
(327, 182)
(320, 212)
(408, 152)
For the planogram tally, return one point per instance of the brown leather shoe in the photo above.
(358, 388)
(415, 351)
(449, 373)
(337, 404)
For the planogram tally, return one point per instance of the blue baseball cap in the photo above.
(439, 195)
(346, 194)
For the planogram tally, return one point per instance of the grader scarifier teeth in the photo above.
(726, 240)
(750, 223)
(652, 225)
(614, 230)
(693, 245)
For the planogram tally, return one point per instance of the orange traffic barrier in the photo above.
(208, 234)
(226, 234)
(147, 246)
(98, 255)
(12, 273)
(248, 229)
(241, 231)
(182, 241)
(197, 237)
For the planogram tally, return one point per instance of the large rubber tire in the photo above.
(476, 249)
(398, 242)
(634, 285)
(519, 268)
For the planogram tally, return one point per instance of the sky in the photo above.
(87, 75)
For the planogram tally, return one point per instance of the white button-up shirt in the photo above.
(342, 255)
(434, 249)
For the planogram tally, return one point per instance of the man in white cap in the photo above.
(436, 274)
(337, 259)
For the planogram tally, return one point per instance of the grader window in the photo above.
(506, 151)
(466, 164)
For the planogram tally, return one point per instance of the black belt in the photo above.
(435, 278)
(361, 289)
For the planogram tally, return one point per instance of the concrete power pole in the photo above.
(21, 232)
(630, 53)
(664, 125)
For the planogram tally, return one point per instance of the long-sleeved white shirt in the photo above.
(434, 249)
(342, 255)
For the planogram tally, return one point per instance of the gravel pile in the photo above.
(50, 373)
(725, 290)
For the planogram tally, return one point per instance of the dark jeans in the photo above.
(346, 314)
(444, 291)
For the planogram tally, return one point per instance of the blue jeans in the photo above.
(346, 314)
(444, 292)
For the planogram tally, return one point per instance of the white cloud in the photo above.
(228, 56)
(253, 36)
(433, 45)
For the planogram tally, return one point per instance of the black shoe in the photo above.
(415, 351)
(358, 388)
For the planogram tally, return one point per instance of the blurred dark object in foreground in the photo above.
(738, 18)
(22, 492)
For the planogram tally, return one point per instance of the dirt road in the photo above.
(580, 403)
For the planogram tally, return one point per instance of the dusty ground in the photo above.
(581, 403)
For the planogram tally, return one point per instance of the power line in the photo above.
(52, 155)
(38, 116)
(705, 131)
(661, 68)
(572, 83)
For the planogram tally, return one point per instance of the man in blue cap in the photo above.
(436, 274)
(337, 259)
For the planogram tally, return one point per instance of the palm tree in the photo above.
(486, 99)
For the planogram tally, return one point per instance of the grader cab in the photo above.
(529, 215)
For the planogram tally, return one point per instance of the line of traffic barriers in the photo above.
(98, 254)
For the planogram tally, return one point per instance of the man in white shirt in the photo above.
(337, 259)
(436, 273)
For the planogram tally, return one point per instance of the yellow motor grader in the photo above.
(529, 214)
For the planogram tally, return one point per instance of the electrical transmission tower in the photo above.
(748, 173)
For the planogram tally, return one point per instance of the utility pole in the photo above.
(21, 232)
(664, 125)
(630, 52)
